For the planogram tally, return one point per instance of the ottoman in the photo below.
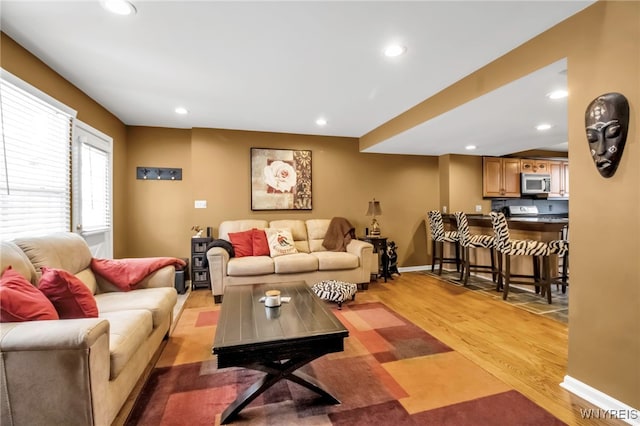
(335, 291)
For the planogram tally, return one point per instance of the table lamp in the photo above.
(374, 210)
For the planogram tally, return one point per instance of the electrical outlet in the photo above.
(444, 209)
(200, 204)
(478, 208)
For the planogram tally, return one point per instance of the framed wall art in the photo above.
(280, 179)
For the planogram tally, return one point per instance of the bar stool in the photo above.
(438, 237)
(561, 248)
(473, 241)
(507, 247)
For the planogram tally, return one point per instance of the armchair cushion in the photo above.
(71, 298)
(21, 301)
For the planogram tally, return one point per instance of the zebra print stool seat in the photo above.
(335, 291)
(507, 247)
(473, 241)
(438, 237)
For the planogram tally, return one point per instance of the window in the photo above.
(35, 161)
(95, 198)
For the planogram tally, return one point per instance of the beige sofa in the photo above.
(311, 264)
(79, 371)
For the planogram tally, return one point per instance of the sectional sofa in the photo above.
(78, 371)
(311, 262)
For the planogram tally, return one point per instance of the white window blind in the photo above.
(35, 155)
(96, 190)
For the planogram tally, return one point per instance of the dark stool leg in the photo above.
(500, 271)
(507, 276)
(464, 265)
(546, 266)
(493, 265)
(565, 271)
(433, 256)
(457, 257)
(536, 272)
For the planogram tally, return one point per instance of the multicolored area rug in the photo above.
(390, 373)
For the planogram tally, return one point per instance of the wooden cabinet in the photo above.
(534, 165)
(199, 273)
(500, 177)
(559, 171)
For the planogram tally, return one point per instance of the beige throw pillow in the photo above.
(280, 242)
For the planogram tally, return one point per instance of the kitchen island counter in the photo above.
(533, 224)
(539, 228)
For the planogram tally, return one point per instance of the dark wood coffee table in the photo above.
(277, 341)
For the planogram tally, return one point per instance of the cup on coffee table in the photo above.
(272, 298)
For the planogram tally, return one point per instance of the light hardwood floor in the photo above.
(525, 350)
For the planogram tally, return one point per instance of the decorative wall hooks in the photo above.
(158, 173)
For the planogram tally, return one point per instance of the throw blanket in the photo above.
(339, 234)
(126, 273)
(218, 243)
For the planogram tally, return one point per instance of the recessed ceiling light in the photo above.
(470, 147)
(543, 126)
(394, 50)
(321, 121)
(119, 7)
(181, 110)
(558, 94)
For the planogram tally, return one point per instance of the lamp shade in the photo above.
(374, 208)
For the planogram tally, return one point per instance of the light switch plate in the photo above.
(444, 209)
(200, 204)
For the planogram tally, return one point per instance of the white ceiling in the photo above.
(278, 66)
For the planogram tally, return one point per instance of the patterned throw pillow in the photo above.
(280, 242)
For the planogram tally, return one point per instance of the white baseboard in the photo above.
(414, 268)
(608, 407)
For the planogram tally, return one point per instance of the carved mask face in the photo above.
(606, 122)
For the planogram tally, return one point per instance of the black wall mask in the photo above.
(607, 122)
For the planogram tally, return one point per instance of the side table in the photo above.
(379, 247)
(199, 273)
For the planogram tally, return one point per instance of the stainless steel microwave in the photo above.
(535, 184)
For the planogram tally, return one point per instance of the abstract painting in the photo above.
(280, 179)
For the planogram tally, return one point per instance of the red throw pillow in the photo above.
(260, 243)
(69, 295)
(242, 242)
(20, 301)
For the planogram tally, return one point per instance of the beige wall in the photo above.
(24, 65)
(159, 211)
(604, 338)
(216, 168)
(463, 191)
(602, 47)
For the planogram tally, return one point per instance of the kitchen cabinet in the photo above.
(534, 165)
(559, 171)
(500, 177)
